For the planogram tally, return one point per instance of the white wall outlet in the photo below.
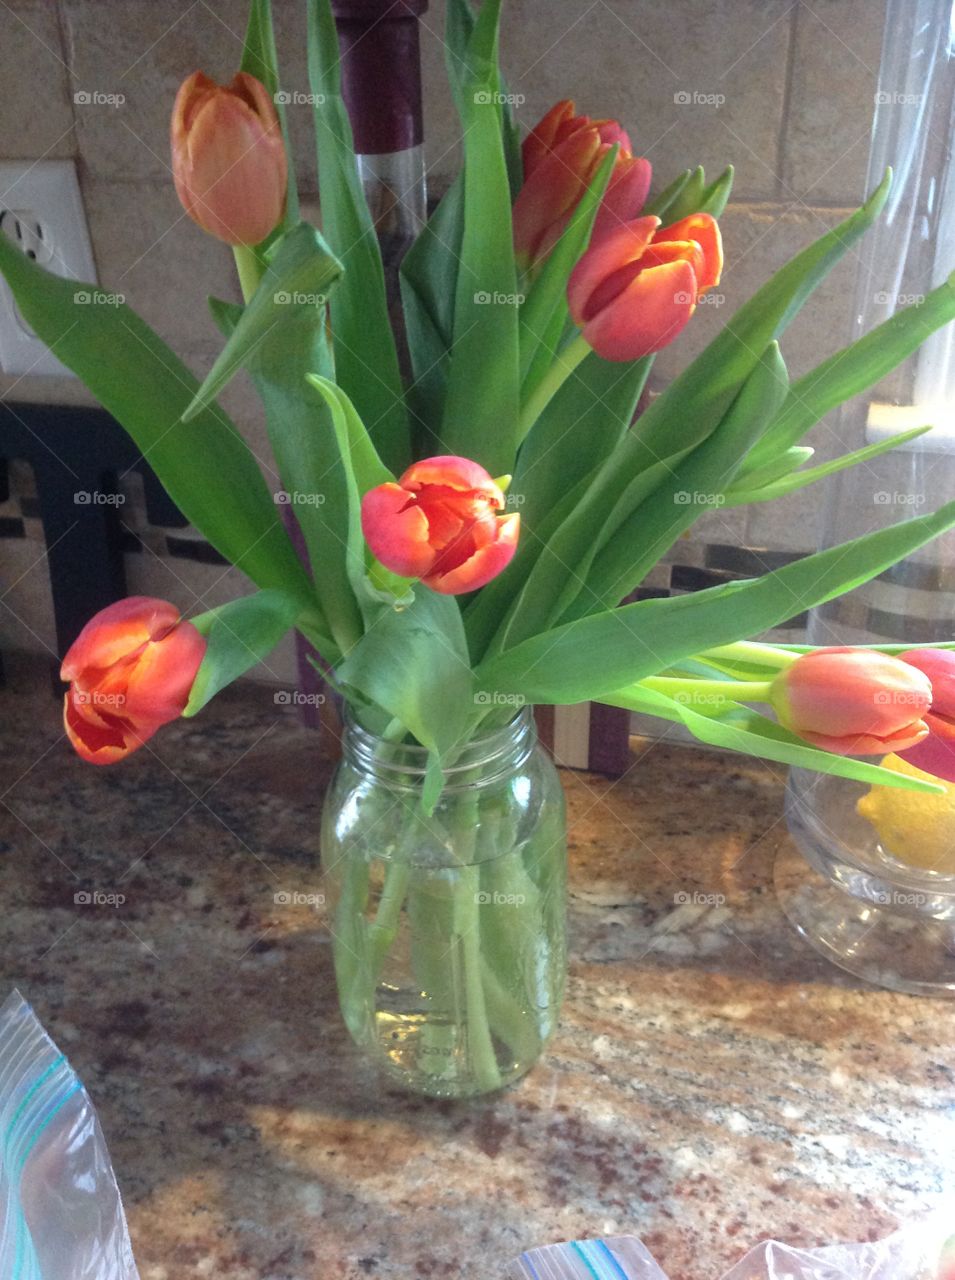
(41, 212)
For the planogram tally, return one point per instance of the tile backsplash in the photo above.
(783, 89)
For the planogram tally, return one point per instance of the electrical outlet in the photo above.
(41, 212)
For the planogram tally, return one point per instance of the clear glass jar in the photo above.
(448, 929)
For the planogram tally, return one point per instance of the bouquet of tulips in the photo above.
(472, 528)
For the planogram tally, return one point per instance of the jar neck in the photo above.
(484, 759)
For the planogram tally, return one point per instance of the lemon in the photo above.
(912, 826)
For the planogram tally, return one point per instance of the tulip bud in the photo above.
(935, 754)
(853, 702)
(130, 671)
(561, 156)
(636, 287)
(228, 157)
(439, 524)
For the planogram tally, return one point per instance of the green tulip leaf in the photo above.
(206, 468)
(239, 635)
(366, 358)
(738, 728)
(593, 657)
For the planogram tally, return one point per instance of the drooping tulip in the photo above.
(936, 752)
(228, 157)
(440, 523)
(130, 671)
(853, 701)
(561, 156)
(636, 287)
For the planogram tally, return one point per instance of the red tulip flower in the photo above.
(636, 287)
(228, 157)
(439, 523)
(936, 753)
(853, 702)
(130, 671)
(561, 157)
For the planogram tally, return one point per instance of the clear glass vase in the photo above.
(448, 929)
(871, 881)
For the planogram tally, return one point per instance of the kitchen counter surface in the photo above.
(713, 1082)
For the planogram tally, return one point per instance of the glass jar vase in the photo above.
(448, 929)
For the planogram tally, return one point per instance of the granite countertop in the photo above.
(713, 1082)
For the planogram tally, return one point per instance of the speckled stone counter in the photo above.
(713, 1082)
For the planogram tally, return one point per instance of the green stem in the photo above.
(763, 655)
(250, 267)
(552, 381)
(687, 689)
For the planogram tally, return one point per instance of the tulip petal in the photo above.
(161, 679)
(939, 666)
(618, 248)
(625, 196)
(544, 135)
(647, 315)
(486, 562)
(453, 472)
(935, 754)
(704, 230)
(548, 197)
(116, 633)
(846, 692)
(867, 744)
(105, 745)
(396, 530)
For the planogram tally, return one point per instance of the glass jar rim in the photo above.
(507, 745)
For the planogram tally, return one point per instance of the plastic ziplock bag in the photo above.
(61, 1217)
(918, 1252)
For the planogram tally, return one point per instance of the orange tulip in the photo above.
(561, 156)
(853, 702)
(228, 157)
(936, 753)
(130, 671)
(439, 523)
(636, 287)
